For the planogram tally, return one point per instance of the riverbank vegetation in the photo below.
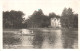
(14, 19)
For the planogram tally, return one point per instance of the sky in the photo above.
(48, 6)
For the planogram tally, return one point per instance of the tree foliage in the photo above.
(69, 19)
(52, 15)
(12, 19)
(38, 20)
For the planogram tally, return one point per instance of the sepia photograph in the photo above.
(40, 24)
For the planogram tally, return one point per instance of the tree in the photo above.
(75, 22)
(67, 18)
(12, 19)
(51, 15)
(37, 20)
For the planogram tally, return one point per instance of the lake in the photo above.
(38, 38)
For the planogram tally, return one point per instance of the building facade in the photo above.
(55, 22)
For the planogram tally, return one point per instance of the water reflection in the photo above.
(47, 39)
(53, 39)
(38, 39)
(70, 37)
(43, 38)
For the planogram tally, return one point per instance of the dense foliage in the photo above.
(69, 19)
(38, 20)
(14, 19)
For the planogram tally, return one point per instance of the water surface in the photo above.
(40, 38)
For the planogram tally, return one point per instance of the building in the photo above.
(55, 22)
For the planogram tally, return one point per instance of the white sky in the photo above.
(48, 6)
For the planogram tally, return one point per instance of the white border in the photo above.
(1, 30)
